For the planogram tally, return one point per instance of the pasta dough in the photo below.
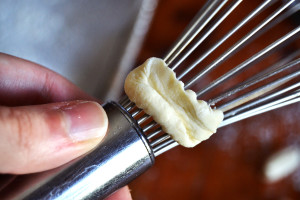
(154, 88)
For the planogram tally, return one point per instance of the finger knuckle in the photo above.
(47, 86)
(20, 128)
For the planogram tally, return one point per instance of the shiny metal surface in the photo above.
(122, 156)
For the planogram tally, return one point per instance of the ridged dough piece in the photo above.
(154, 88)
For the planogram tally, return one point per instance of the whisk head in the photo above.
(258, 81)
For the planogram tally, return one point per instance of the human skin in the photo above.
(45, 120)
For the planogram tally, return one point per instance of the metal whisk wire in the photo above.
(259, 100)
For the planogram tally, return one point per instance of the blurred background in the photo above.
(96, 43)
(92, 43)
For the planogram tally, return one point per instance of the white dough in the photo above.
(154, 88)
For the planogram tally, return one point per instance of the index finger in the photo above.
(25, 83)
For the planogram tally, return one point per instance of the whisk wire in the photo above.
(262, 7)
(258, 92)
(163, 147)
(159, 140)
(154, 133)
(242, 108)
(255, 58)
(209, 10)
(149, 126)
(210, 29)
(143, 118)
(238, 45)
(259, 77)
(291, 98)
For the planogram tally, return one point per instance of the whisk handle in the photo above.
(123, 154)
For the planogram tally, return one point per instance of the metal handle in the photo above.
(123, 154)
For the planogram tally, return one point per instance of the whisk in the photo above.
(181, 50)
(134, 139)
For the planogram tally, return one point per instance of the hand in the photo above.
(36, 132)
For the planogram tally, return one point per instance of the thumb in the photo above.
(38, 138)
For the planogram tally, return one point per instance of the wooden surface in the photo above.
(230, 164)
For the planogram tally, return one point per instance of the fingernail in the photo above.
(85, 120)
